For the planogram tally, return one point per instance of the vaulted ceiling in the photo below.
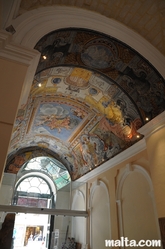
(90, 95)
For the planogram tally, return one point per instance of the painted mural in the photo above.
(90, 95)
(92, 50)
(56, 120)
(84, 123)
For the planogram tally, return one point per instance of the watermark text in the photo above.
(125, 242)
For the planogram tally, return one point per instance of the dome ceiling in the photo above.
(90, 95)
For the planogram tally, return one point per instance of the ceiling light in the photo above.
(137, 135)
(39, 84)
(44, 57)
(147, 118)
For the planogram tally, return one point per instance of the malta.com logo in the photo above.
(125, 242)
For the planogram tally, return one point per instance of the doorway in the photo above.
(31, 231)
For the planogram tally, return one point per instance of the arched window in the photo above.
(33, 191)
(38, 182)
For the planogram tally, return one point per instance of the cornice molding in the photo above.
(20, 54)
(123, 156)
(15, 52)
(153, 126)
(147, 130)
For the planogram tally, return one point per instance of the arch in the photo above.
(17, 159)
(30, 27)
(80, 194)
(22, 196)
(40, 174)
(128, 170)
(98, 184)
(79, 224)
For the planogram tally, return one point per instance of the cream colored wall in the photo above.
(5, 12)
(61, 222)
(5, 134)
(108, 178)
(63, 200)
(17, 64)
(156, 153)
(137, 208)
(132, 203)
(12, 78)
(100, 221)
(78, 227)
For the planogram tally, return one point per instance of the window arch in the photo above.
(49, 166)
(38, 181)
(34, 184)
(33, 191)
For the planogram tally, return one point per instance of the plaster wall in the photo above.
(12, 78)
(79, 223)
(99, 215)
(156, 153)
(132, 209)
(62, 222)
(137, 208)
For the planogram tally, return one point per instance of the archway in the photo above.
(36, 185)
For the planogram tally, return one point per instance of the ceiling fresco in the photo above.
(90, 95)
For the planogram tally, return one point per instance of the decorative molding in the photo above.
(120, 219)
(21, 177)
(129, 167)
(148, 129)
(10, 29)
(12, 13)
(127, 171)
(20, 54)
(98, 184)
(140, 169)
(34, 24)
(95, 185)
(126, 154)
(15, 52)
(153, 126)
(78, 193)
